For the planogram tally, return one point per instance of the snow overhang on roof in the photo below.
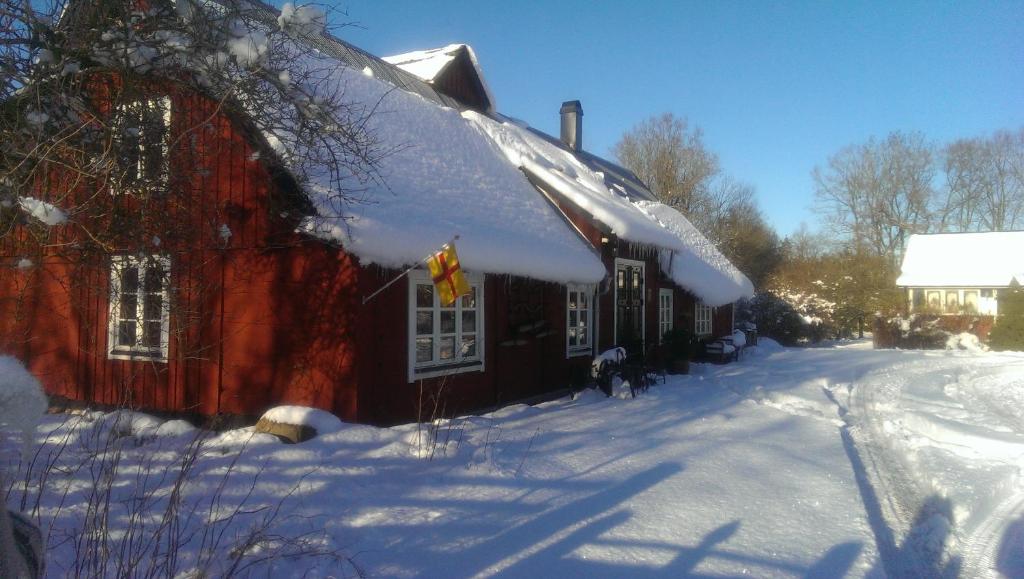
(991, 259)
(429, 64)
(700, 267)
(559, 170)
(444, 177)
(625, 206)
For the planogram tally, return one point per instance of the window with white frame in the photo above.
(139, 309)
(141, 144)
(444, 339)
(664, 313)
(579, 313)
(702, 320)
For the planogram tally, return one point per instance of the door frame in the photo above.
(615, 298)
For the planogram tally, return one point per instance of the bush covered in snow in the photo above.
(932, 332)
(789, 318)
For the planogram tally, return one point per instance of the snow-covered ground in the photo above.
(813, 462)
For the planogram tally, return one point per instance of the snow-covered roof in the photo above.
(624, 205)
(443, 178)
(440, 176)
(992, 259)
(700, 267)
(429, 64)
(559, 170)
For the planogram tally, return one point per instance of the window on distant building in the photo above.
(141, 145)
(935, 300)
(139, 309)
(702, 320)
(971, 301)
(664, 312)
(918, 299)
(952, 302)
(578, 319)
(444, 339)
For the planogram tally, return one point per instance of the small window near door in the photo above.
(579, 314)
(702, 320)
(664, 313)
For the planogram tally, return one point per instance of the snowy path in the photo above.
(791, 463)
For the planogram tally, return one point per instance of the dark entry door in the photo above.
(629, 304)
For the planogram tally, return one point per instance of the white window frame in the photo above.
(579, 349)
(702, 319)
(665, 310)
(434, 368)
(116, 351)
(123, 111)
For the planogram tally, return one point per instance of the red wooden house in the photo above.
(245, 289)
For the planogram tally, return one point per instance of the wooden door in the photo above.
(629, 304)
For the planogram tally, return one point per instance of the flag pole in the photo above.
(404, 273)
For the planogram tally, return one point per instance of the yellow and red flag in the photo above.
(447, 275)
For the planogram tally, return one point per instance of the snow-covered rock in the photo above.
(22, 402)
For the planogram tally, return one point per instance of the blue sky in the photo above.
(776, 87)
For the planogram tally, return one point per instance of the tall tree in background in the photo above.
(879, 193)
(984, 184)
(671, 158)
(750, 243)
(669, 155)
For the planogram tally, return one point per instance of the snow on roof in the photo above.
(991, 259)
(428, 64)
(444, 178)
(699, 267)
(561, 171)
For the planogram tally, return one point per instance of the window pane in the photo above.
(424, 349)
(583, 335)
(447, 344)
(469, 346)
(447, 321)
(573, 319)
(126, 334)
(583, 300)
(971, 301)
(424, 323)
(128, 306)
(572, 301)
(152, 308)
(154, 281)
(952, 301)
(583, 318)
(424, 296)
(469, 321)
(572, 337)
(469, 300)
(151, 334)
(130, 279)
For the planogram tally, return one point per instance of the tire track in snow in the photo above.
(981, 548)
(890, 494)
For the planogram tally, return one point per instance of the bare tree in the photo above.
(984, 184)
(671, 158)
(79, 113)
(879, 193)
